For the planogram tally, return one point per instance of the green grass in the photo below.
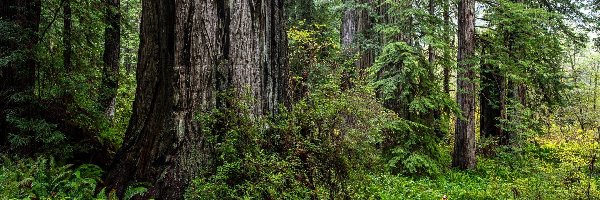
(548, 167)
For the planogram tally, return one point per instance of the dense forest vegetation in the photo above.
(299, 99)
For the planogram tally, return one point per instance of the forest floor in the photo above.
(552, 166)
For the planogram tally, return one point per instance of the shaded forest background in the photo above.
(304, 99)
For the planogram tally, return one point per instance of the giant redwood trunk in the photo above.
(464, 141)
(365, 24)
(191, 50)
(349, 28)
(356, 21)
(17, 72)
(111, 56)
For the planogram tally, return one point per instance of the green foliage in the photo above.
(133, 191)
(45, 135)
(409, 82)
(43, 178)
(540, 169)
(318, 149)
(407, 86)
(412, 152)
(528, 48)
(115, 132)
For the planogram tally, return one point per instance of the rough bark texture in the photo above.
(348, 37)
(365, 24)
(349, 28)
(464, 141)
(18, 75)
(355, 22)
(191, 50)
(111, 56)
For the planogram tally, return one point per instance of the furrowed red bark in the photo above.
(190, 51)
(464, 141)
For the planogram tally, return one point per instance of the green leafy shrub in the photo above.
(43, 178)
(323, 148)
(406, 84)
(541, 168)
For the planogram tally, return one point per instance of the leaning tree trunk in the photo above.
(190, 51)
(17, 76)
(464, 143)
(111, 56)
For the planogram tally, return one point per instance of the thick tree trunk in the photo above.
(67, 33)
(111, 56)
(355, 22)
(437, 114)
(464, 141)
(365, 24)
(191, 50)
(349, 28)
(348, 37)
(18, 75)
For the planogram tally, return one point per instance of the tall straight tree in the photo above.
(356, 21)
(464, 141)
(190, 51)
(17, 71)
(111, 56)
(490, 104)
(349, 27)
(450, 40)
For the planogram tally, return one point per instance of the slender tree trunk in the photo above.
(464, 144)
(348, 36)
(67, 35)
(489, 97)
(450, 40)
(437, 114)
(191, 50)
(17, 76)
(355, 22)
(111, 58)
(128, 60)
(365, 24)
(430, 50)
(596, 75)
